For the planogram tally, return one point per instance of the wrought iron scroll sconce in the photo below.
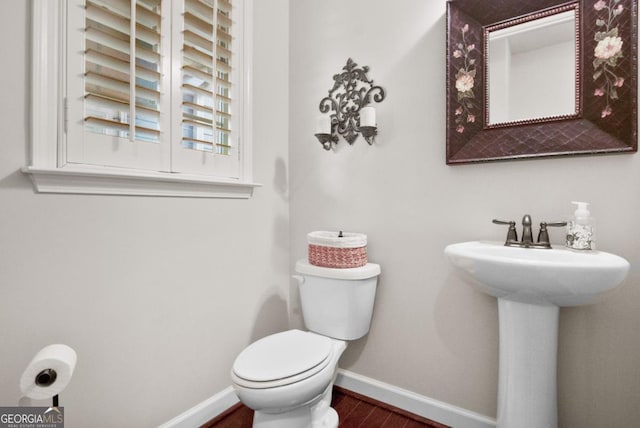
(348, 101)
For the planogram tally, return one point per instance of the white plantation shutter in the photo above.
(198, 54)
(207, 105)
(109, 69)
(121, 95)
(224, 62)
(141, 97)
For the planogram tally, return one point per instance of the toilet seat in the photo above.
(281, 359)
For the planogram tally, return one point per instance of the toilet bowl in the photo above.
(286, 372)
(287, 378)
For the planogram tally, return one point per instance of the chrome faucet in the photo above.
(527, 233)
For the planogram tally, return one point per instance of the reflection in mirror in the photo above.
(528, 65)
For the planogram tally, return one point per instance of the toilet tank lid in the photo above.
(363, 272)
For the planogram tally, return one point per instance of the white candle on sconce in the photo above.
(323, 126)
(367, 116)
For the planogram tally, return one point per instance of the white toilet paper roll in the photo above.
(49, 372)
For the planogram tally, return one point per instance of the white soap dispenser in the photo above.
(581, 229)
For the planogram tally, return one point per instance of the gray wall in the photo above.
(432, 333)
(142, 286)
(156, 295)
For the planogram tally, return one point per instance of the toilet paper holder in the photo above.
(48, 373)
(46, 378)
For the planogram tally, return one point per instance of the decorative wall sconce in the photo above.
(348, 102)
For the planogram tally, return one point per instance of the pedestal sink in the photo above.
(531, 285)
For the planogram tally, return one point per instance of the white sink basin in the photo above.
(557, 276)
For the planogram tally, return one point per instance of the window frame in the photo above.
(47, 167)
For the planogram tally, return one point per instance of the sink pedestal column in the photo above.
(527, 394)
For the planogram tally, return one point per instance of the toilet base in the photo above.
(316, 415)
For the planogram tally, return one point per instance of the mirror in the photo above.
(548, 79)
(530, 63)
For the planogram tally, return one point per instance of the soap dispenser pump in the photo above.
(581, 229)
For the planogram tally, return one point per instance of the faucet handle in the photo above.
(512, 235)
(495, 221)
(554, 223)
(543, 235)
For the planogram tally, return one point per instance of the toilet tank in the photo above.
(337, 302)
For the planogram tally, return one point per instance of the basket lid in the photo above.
(337, 239)
(363, 272)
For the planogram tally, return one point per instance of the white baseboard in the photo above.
(205, 411)
(435, 410)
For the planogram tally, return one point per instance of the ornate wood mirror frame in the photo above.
(606, 119)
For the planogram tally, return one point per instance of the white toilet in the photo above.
(287, 378)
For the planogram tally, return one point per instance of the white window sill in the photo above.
(114, 181)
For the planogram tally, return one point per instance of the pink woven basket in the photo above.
(339, 258)
(329, 249)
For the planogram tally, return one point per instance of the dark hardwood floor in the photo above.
(354, 410)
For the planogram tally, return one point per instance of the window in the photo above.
(149, 97)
